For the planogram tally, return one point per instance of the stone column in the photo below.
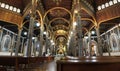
(31, 26)
(30, 35)
(107, 38)
(12, 44)
(89, 45)
(18, 41)
(68, 51)
(118, 35)
(79, 34)
(22, 45)
(1, 34)
(99, 41)
(41, 43)
(46, 43)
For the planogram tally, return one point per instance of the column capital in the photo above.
(20, 28)
(97, 27)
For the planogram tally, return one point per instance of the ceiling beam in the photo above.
(85, 7)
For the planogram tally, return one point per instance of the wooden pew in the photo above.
(16, 61)
(39, 59)
(3, 69)
(89, 64)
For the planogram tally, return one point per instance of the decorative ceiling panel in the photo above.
(48, 4)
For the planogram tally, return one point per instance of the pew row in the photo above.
(17, 61)
(89, 64)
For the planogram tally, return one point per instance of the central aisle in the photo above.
(46, 66)
(51, 66)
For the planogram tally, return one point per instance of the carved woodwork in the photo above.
(11, 17)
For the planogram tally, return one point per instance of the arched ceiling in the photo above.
(61, 26)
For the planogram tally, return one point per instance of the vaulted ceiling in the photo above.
(58, 14)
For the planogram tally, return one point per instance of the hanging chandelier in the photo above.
(57, 1)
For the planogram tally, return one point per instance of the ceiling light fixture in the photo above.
(75, 23)
(18, 10)
(103, 6)
(33, 38)
(114, 1)
(44, 33)
(11, 8)
(7, 6)
(118, 0)
(14, 9)
(99, 8)
(75, 11)
(25, 33)
(37, 24)
(0, 27)
(71, 33)
(106, 4)
(86, 37)
(111, 3)
(51, 41)
(92, 32)
(3, 5)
